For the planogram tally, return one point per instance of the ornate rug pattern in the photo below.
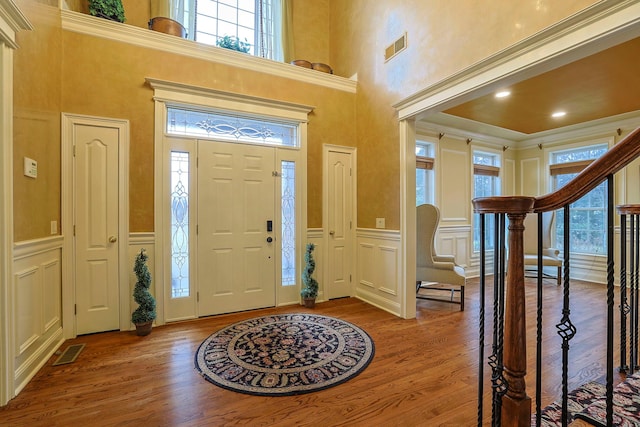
(588, 403)
(284, 354)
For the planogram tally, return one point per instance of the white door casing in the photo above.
(236, 198)
(339, 211)
(12, 20)
(95, 209)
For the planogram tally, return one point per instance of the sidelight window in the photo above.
(288, 223)
(179, 224)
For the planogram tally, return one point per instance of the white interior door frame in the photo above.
(68, 188)
(11, 21)
(351, 151)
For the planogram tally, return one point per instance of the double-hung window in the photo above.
(258, 23)
(486, 183)
(425, 186)
(588, 233)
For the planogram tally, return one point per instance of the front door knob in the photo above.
(113, 239)
(269, 239)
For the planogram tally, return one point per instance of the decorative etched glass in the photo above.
(179, 224)
(288, 223)
(231, 128)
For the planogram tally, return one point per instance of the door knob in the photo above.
(332, 232)
(113, 239)
(269, 239)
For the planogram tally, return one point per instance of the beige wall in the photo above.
(444, 37)
(37, 101)
(93, 76)
(87, 75)
(312, 31)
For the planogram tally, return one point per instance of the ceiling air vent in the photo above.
(396, 47)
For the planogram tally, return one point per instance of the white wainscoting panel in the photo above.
(378, 269)
(455, 241)
(37, 299)
(591, 268)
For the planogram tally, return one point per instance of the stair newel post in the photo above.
(516, 405)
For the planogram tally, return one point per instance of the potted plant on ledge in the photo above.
(145, 314)
(234, 43)
(310, 290)
(108, 9)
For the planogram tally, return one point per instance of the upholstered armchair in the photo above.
(550, 255)
(433, 269)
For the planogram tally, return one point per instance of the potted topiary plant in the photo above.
(144, 315)
(233, 43)
(108, 9)
(310, 290)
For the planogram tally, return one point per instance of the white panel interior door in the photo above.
(96, 228)
(340, 197)
(236, 268)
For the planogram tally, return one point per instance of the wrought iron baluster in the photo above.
(634, 307)
(566, 329)
(499, 383)
(632, 289)
(624, 307)
(481, 320)
(610, 302)
(539, 328)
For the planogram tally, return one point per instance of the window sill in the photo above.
(123, 33)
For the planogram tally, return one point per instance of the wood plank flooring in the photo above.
(424, 372)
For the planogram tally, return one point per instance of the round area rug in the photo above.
(284, 354)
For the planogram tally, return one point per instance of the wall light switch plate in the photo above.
(30, 168)
(380, 223)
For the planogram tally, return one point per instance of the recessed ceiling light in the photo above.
(503, 94)
(558, 114)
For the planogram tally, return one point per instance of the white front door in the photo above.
(339, 222)
(96, 227)
(236, 257)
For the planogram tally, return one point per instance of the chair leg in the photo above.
(462, 298)
(418, 283)
(559, 276)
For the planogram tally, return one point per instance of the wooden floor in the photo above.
(424, 372)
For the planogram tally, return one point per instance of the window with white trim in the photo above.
(258, 23)
(588, 222)
(486, 183)
(425, 183)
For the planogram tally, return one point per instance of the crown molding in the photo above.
(123, 33)
(11, 21)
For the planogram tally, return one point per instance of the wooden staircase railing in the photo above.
(512, 404)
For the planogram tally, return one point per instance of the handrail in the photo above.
(616, 158)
